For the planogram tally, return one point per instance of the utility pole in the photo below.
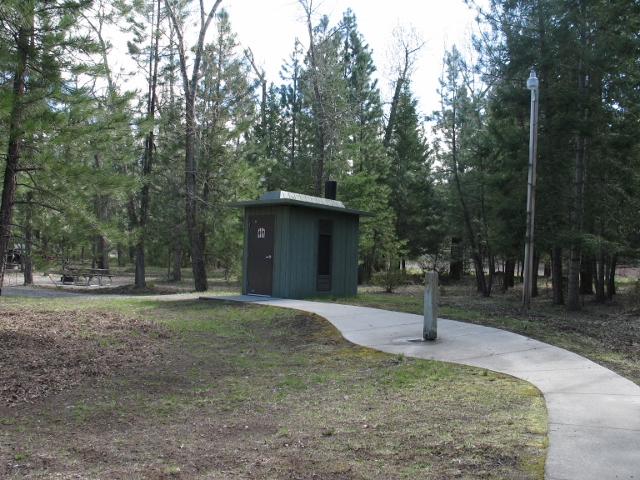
(528, 271)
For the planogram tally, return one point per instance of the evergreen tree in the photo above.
(149, 59)
(190, 82)
(583, 53)
(459, 126)
(225, 111)
(411, 180)
(41, 46)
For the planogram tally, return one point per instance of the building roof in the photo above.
(282, 197)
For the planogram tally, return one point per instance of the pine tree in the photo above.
(225, 112)
(190, 82)
(411, 179)
(582, 53)
(459, 126)
(149, 59)
(40, 46)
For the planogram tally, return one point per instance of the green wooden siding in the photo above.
(296, 251)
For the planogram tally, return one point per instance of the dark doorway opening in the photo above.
(325, 255)
(260, 259)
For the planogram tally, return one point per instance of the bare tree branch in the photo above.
(403, 55)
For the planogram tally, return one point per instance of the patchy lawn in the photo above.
(143, 388)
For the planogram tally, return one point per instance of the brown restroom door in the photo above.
(260, 260)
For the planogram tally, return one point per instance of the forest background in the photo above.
(93, 170)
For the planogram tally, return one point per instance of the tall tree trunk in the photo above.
(600, 278)
(147, 161)
(573, 300)
(534, 278)
(601, 271)
(481, 284)
(492, 274)
(611, 280)
(27, 263)
(15, 137)
(573, 297)
(586, 275)
(169, 259)
(140, 273)
(557, 279)
(104, 244)
(191, 203)
(509, 273)
(177, 260)
(193, 226)
(388, 131)
(101, 257)
(121, 255)
(190, 90)
(140, 276)
(456, 265)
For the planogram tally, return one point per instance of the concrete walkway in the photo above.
(594, 414)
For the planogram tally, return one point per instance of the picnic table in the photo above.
(100, 274)
(76, 276)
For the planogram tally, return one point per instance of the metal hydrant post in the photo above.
(430, 329)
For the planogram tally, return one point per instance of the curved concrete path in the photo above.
(594, 414)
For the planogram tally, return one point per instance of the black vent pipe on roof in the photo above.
(331, 189)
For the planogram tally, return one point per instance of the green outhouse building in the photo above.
(299, 246)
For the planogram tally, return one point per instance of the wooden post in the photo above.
(430, 329)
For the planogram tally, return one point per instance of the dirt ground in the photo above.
(99, 394)
(608, 333)
(46, 352)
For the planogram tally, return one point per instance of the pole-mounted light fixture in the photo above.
(532, 81)
(528, 270)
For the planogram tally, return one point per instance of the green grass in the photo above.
(242, 388)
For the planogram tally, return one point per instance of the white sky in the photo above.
(269, 28)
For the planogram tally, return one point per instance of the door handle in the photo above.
(269, 257)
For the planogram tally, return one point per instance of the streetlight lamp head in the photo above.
(532, 81)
